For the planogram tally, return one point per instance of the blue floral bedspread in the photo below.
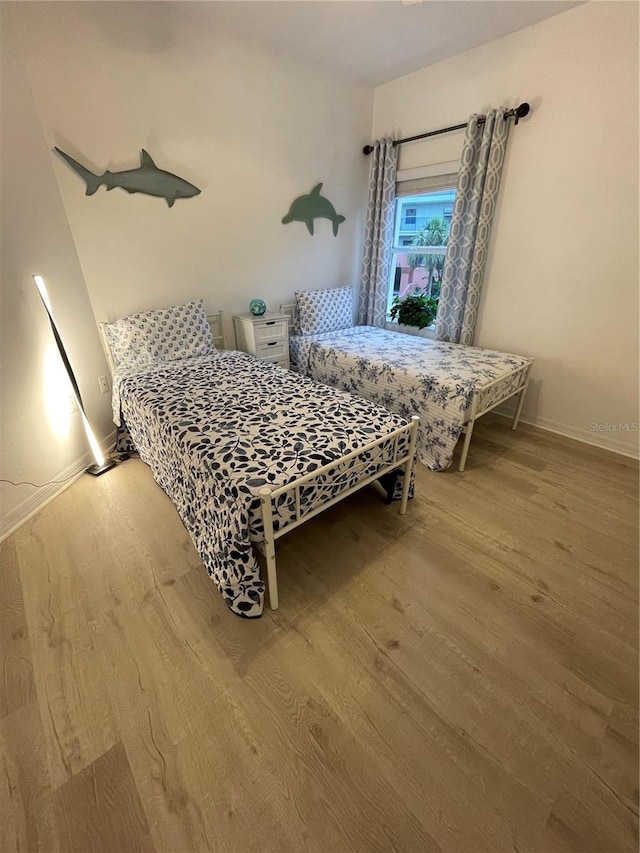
(216, 429)
(409, 375)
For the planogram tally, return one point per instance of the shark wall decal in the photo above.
(147, 179)
(306, 208)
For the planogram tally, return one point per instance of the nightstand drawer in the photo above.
(270, 330)
(272, 350)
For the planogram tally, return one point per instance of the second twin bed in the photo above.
(448, 385)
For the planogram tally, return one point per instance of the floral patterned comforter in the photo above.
(216, 429)
(409, 375)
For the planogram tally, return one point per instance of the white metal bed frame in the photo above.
(268, 497)
(481, 402)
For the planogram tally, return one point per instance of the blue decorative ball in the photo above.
(257, 307)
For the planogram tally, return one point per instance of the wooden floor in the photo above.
(461, 680)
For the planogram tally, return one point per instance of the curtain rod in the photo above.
(518, 112)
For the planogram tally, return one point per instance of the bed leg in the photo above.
(269, 547)
(465, 446)
(516, 417)
(408, 465)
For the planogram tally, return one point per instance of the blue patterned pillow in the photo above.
(181, 331)
(324, 310)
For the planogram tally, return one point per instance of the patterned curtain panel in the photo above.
(476, 195)
(374, 279)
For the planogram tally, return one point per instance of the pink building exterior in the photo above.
(411, 279)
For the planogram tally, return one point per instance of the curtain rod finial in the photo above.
(367, 150)
(521, 111)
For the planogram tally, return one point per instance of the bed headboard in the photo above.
(217, 329)
(105, 345)
(290, 310)
(215, 322)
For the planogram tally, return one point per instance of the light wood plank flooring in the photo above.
(460, 680)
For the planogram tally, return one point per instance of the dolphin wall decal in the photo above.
(306, 208)
(147, 179)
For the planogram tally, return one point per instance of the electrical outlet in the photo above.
(103, 383)
(73, 404)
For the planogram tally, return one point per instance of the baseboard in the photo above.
(603, 440)
(45, 494)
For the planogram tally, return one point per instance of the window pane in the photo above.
(415, 213)
(421, 233)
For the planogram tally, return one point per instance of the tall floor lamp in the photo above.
(101, 464)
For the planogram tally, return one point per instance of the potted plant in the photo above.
(417, 309)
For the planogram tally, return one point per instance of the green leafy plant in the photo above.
(417, 309)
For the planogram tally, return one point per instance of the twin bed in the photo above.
(448, 385)
(247, 450)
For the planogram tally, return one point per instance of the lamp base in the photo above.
(96, 470)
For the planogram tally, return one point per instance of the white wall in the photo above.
(39, 438)
(561, 282)
(252, 129)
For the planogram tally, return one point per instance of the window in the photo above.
(420, 235)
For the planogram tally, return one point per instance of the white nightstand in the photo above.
(266, 337)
